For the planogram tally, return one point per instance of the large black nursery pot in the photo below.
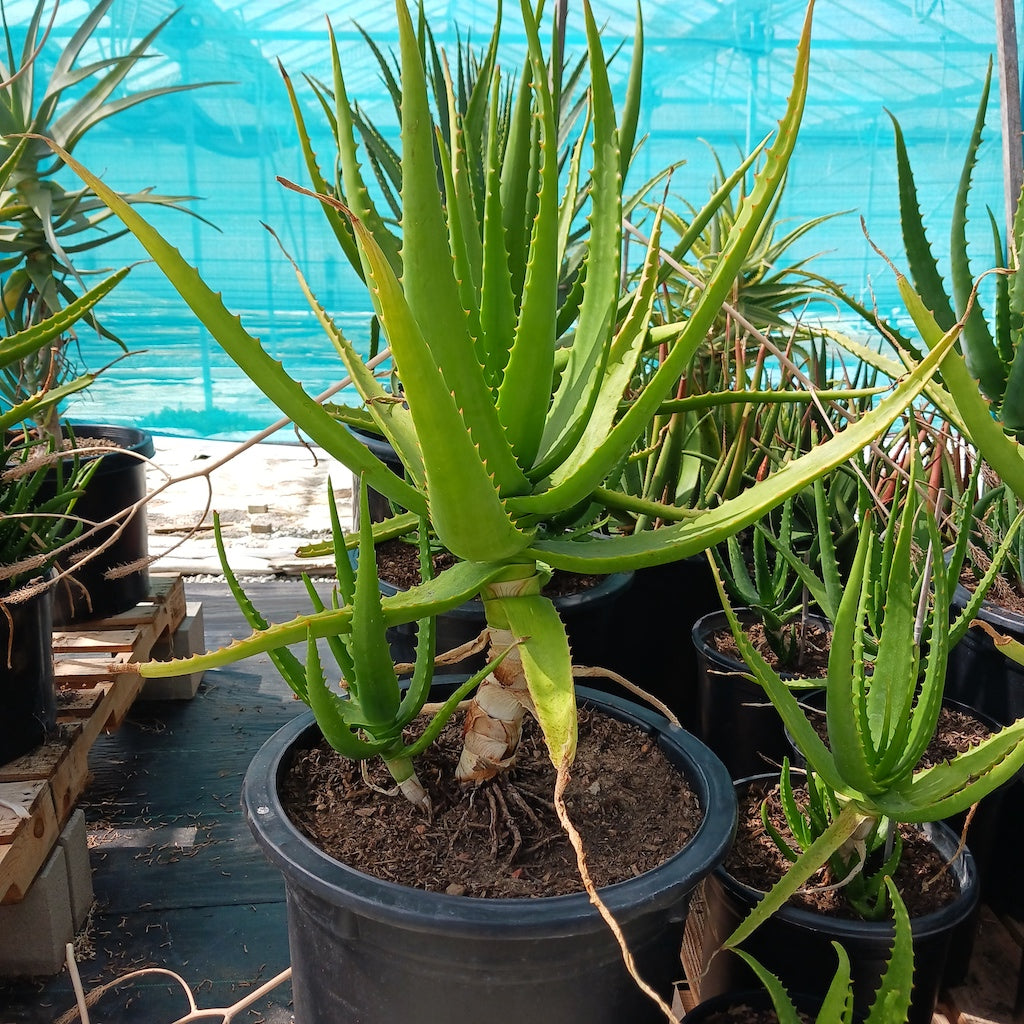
(370, 951)
(981, 677)
(795, 944)
(734, 716)
(590, 617)
(655, 623)
(28, 702)
(118, 483)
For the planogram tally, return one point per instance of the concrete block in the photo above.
(34, 932)
(75, 842)
(188, 638)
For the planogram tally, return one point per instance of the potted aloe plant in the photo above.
(44, 226)
(889, 1005)
(883, 697)
(39, 489)
(507, 447)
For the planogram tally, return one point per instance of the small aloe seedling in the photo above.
(892, 998)
(768, 586)
(863, 890)
(367, 720)
(882, 704)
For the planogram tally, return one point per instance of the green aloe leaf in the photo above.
(547, 664)
(655, 547)
(428, 299)
(267, 373)
(842, 829)
(979, 348)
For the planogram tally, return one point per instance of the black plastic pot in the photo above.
(982, 678)
(795, 943)
(380, 507)
(734, 716)
(590, 618)
(118, 482)
(375, 952)
(653, 627)
(28, 702)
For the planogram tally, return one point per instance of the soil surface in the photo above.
(956, 732)
(743, 1014)
(1002, 592)
(922, 877)
(501, 839)
(398, 562)
(812, 665)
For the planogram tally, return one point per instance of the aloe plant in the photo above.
(511, 422)
(892, 998)
(883, 700)
(43, 224)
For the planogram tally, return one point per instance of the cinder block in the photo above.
(188, 638)
(34, 932)
(75, 841)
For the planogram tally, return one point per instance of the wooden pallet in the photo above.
(95, 689)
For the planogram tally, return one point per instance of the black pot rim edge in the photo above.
(711, 623)
(921, 926)
(136, 440)
(285, 846)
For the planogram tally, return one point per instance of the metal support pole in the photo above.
(1009, 106)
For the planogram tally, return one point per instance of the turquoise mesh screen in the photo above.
(717, 75)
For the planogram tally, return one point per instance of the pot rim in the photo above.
(300, 860)
(942, 838)
(716, 621)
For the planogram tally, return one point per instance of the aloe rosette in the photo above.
(513, 421)
(884, 691)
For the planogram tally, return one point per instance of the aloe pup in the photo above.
(509, 457)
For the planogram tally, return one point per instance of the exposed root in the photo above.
(596, 672)
(364, 771)
(226, 1014)
(956, 853)
(576, 840)
(510, 822)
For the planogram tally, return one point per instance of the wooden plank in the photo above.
(96, 689)
(26, 842)
(76, 672)
(95, 641)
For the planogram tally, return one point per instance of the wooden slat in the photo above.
(96, 689)
(25, 843)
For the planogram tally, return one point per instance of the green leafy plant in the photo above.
(892, 998)
(43, 224)
(508, 444)
(883, 700)
(369, 718)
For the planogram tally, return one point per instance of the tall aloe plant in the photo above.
(513, 420)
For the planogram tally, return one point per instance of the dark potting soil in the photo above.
(398, 562)
(501, 839)
(922, 877)
(955, 733)
(813, 662)
(743, 1014)
(1002, 592)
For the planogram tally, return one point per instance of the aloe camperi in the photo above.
(508, 465)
